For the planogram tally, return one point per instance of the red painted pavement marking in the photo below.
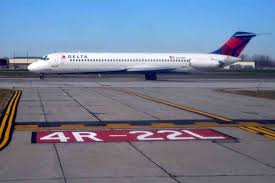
(128, 135)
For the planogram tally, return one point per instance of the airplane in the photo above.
(149, 64)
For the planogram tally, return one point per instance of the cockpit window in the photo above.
(45, 58)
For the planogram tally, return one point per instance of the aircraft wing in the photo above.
(148, 68)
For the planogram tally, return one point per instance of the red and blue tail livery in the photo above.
(235, 45)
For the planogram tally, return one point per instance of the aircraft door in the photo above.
(57, 60)
(54, 61)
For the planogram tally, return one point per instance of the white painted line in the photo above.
(117, 135)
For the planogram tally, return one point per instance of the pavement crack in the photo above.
(246, 155)
(42, 106)
(111, 98)
(152, 161)
(54, 145)
(59, 161)
(92, 113)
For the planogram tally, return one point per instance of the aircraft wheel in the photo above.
(41, 76)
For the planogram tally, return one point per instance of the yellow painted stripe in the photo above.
(13, 113)
(18, 127)
(6, 115)
(128, 126)
(7, 134)
(267, 129)
(252, 125)
(176, 105)
(248, 129)
(208, 124)
(72, 126)
(118, 126)
(262, 131)
(270, 137)
(163, 125)
(33, 128)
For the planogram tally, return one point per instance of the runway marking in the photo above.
(261, 130)
(72, 126)
(182, 107)
(162, 125)
(50, 126)
(6, 114)
(7, 121)
(129, 135)
(117, 135)
(251, 128)
(208, 124)
(267, 129)
(45, 128)
(118, 126)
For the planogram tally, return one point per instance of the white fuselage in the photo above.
(129, 62)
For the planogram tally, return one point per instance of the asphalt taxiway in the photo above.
(88, 104)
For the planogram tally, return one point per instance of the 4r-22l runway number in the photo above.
(127, 135)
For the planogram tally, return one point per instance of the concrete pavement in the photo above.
(69, 100)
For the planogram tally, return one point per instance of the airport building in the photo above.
(241, 65)
(21, 63)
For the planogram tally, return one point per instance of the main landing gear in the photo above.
(151, 76)
(41, 76)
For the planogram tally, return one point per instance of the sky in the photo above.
(197, 26)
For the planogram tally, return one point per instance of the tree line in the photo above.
(261, 61)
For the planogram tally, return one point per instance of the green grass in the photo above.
(5, 95)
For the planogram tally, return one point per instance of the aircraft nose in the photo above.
(30, 67)
(33, 67)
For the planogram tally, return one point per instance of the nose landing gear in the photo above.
(41, 76)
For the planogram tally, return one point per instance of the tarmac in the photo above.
(172, 102)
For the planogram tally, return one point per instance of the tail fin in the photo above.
(235, 45)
